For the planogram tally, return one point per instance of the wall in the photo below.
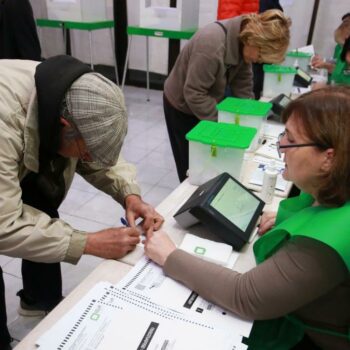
(328, 19)
(300, 11)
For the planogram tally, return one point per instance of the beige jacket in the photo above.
(26, 232)
(198, 79)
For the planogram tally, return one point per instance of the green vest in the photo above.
(341, 72)
(297, 217)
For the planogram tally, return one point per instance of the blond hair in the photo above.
(343, 31)
(269, 32)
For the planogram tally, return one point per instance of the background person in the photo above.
(18, 34)
(341, 71)
(218, 55)
(304, 259)
(233, 8)
(58, 118)
(340, 35)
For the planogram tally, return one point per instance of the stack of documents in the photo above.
(146, 310)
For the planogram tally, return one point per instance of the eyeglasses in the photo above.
(279, 146)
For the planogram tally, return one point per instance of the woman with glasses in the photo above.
(299, 291)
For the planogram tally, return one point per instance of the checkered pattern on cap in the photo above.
(98, 110)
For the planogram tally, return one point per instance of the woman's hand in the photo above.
(158, 246)
(319, 62)
(267, 222)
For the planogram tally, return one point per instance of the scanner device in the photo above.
(226, 207)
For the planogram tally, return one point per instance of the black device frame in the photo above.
(198, 207)
(299, 79)
(277, 108)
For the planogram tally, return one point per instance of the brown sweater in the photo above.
(198, 79)
(305, 277)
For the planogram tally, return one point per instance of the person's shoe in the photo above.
(30, 308)
(7, 346)
(33, 310)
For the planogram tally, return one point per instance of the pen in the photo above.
(124, 222)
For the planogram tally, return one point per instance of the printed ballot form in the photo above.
(147, 279)
(145, 311)
(154, 333)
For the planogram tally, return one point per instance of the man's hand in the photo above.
(158, 247)
(136, 208)
(112, 243)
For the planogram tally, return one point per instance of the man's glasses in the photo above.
(279, 146)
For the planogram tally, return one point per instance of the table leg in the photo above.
(126, 61)
(90, 42)
(114, 56)
(147, 67)
(64, 30)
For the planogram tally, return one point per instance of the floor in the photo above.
(147, 146)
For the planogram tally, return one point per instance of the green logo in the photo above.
(95, 317)
(200, 250)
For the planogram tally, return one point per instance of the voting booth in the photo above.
(278, 80)
(245, 112)
(298, 59)
(77, 10)
(184, 16)
(215, 148)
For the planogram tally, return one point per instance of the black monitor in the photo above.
(302, 78)
(226, 207)
(279, 103)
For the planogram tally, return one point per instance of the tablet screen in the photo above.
(304, 75)
(284, 101)
(236, 204)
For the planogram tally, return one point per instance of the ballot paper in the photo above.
(257, 177)
(144, 331)
(108, 318)
(147, 280)
(269, 150)
(273, 129)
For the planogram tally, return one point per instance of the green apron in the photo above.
(297, 217)
(341, 72)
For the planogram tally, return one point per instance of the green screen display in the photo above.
(236, 204)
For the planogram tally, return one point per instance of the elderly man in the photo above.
(58, 118)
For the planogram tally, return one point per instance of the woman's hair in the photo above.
(324, 117)
(268, 31)
(343, 31)
(346, 48)
(347, 15)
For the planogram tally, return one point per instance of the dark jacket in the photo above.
(18, 35)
